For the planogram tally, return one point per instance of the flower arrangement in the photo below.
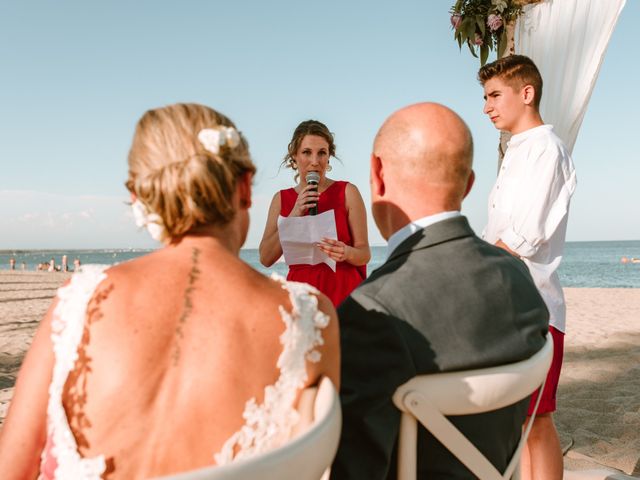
(481, 24)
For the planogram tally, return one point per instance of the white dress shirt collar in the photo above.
(518, 138)
(405, 232)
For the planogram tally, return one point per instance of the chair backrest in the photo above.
(306, 457)
(428, 398)
(597, 474)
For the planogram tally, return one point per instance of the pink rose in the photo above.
(478, 40)
(456, 18)
(494, 22)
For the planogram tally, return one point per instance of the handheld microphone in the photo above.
(313, 179)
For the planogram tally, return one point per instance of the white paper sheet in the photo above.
(299, 236)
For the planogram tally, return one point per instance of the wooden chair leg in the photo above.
(407, 448)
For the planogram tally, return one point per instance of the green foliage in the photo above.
(502, 44)
(481, 25)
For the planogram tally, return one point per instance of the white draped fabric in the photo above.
(567, 40)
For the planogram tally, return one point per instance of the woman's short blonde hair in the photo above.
(174, 176)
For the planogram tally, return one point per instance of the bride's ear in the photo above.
(244, 189)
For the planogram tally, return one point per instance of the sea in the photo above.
(585, 264)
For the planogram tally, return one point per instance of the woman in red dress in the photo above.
(310, 149)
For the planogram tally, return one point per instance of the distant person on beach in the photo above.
(52, 265)
(630, 260)
(528, 212)
(76, 264)
(12, 263)
(444, 300)
(310, 150)
(64, 267)
(181, 353)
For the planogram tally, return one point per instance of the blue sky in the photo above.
(76, 76)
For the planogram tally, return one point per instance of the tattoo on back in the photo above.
(194, 274)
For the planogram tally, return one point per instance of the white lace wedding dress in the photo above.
(267, 425)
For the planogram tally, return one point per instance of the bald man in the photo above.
(444, 300)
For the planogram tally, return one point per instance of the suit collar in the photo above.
(416, 225)
(444, 231)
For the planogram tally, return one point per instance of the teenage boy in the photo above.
(528, 210)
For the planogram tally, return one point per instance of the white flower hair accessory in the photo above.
(152, 221)
(214, 138)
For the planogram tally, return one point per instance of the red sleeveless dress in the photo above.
(335, 285)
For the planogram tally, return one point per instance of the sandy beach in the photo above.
(24, 298)
(599, 395)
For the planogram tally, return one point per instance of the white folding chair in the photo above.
(596, 474)
(308, 456)
(429, 398)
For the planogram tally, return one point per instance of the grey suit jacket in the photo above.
(445, 300)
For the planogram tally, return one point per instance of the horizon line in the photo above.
(5, 251)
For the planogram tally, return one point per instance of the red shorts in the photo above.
(548, 400)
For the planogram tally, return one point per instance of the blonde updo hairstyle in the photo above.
(175, 177)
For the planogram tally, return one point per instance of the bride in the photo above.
(180, 359)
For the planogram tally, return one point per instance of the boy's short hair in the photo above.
(517, 71)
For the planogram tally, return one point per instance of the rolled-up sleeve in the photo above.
(518, 243)
(542, 200)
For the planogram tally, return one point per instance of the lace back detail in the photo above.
(270, 424)
(67, 328)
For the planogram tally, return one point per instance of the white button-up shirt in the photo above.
(529, 206)
(405, 232)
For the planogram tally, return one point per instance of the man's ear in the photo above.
(470, 182)
(528, 94)
(244, 189)
(377, 177)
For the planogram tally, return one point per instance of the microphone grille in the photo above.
(313, 177)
